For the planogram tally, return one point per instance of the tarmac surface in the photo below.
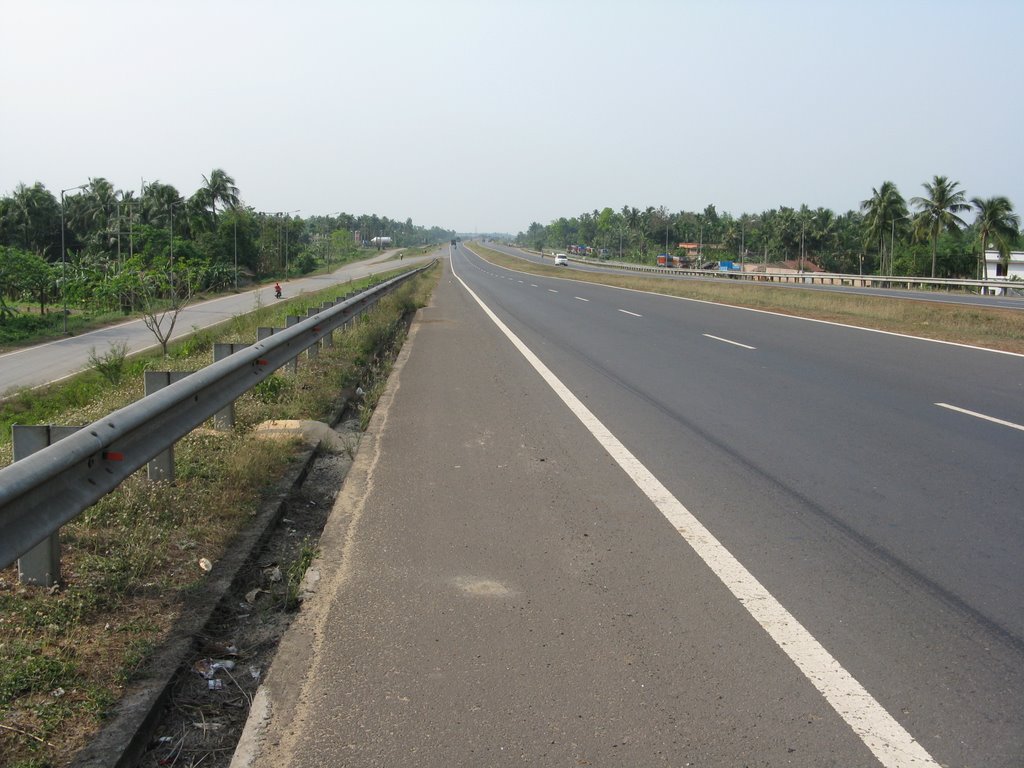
(492, 589)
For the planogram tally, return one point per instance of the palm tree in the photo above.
(34, 214)
(998, 224)
(157, 199)
(939, 211)
(881, 211)
(220, 187)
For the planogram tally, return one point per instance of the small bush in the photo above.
(110, 364)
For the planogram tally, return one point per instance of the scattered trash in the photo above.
(207, 668)
(215, 685)
(273, 574)
(207, 727)
(255, 672)
(205, 564)
(165, 740)
(360, 392)
(219, 650)
(57, 693)
(252, 595)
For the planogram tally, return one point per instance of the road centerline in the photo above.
(627, 312)
(982, 416)
(728, 341)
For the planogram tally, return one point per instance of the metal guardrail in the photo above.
(811, 278)
(48, 489)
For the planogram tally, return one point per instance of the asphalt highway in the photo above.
(952, 297)
(591, 526)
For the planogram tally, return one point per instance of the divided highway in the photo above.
(682, 533)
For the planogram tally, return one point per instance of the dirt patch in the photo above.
(213, 691)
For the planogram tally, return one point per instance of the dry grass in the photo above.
(131, 561)
(993, 328)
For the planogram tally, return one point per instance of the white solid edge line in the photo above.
(728, 341)
(977, 415)
(881, 733)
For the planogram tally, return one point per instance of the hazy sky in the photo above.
(485, 116)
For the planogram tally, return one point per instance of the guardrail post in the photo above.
(328, 340)
(161, 466)
(263, 332)
(314, 350)
(225, 418)
(41, 564)
(288, 323)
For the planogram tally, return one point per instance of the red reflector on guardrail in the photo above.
(113, 456)
(262, 361)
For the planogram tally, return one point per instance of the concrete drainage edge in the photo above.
(123, 740)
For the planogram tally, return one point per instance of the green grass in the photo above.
(130, 562)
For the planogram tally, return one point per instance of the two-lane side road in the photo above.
(45, 363)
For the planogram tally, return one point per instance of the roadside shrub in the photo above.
(110, 364)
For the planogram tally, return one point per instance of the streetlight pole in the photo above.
(802, 225)
(170, 210)
(743, 241)
(803, 250)
(892, 241)
(286, 214)
(64, 257)
(327, 242)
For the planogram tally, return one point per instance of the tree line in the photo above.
(104, 249)
(939, 233)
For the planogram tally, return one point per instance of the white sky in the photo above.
(485, 116)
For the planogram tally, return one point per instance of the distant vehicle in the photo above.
(561, 260)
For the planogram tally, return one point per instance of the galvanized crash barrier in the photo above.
(51, 486)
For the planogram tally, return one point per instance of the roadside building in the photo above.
(1013, 270)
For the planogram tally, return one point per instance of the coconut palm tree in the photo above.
(938, 211)
(996, 224)
(157, 199)
(882, 211)
(220, 187)
(34, 214)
